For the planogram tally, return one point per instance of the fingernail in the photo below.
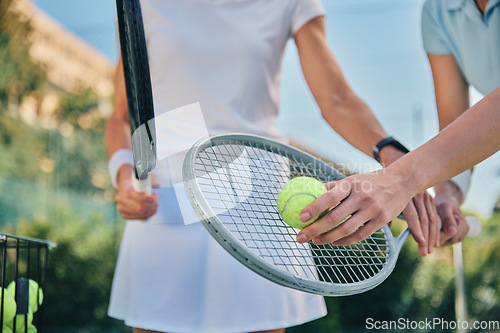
(305, 216)
(301, 238)
(452, 229)
(430, 249)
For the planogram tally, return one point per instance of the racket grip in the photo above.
(475, 226)
(141, 185)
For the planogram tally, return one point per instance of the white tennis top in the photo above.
(226, 55)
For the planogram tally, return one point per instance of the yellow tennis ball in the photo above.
(21, 322)
(35, 294)
(9, 307)
(6, 329)
(295, 195)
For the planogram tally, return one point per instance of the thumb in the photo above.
(449, 222)
(155, 182)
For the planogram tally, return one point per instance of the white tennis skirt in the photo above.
(172, 277)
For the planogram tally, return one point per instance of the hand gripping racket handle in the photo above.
(141, 185)
(475, 228)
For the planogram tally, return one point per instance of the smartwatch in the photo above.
(388, 141)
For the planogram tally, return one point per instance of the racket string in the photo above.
(241, 183)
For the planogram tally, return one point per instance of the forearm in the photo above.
(450, 88)
(117, 135)
(469, 140)
(352, 119)
(342, 109)
(117, 132)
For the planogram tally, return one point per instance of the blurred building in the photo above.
(71, 63)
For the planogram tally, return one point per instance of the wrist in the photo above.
(409, 176)
(388, 155)
(388, 150)
(119, 159)
(124, 174)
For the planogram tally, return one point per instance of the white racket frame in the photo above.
(256, 263)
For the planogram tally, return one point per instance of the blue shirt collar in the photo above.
(458, 4)
(491, 4)
(470, 8)
(455, 4)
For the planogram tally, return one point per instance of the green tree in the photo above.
(74, 107)
(19, 74)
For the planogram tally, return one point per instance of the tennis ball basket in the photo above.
(23, 265)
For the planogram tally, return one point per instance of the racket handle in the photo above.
(475, 226)
(141, 185)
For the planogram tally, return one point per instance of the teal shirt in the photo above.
(457, 27)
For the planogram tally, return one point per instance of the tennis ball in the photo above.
(295, 195)
(36, 296)
(21, 324)
(32, 292)
(6, 329)
(9, 307)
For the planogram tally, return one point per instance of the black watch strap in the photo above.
(388, 141)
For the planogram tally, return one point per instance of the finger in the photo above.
(155, 182)
(142, 198)
(330, 199)
(448, 220)
(332, 235)
(125, 205)
(419, 202)
(131, 216)
(460, 235)
(434, 223)
(411, 216)
(133, 212)
(444, 238)
(330, 185)
(150, 205)
(136, 204)
(331, 221)
(138, 215)
(363, 232)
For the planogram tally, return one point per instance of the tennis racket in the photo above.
(139, 93)
(232, 182)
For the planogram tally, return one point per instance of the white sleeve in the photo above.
(463, 181)
(303, 11)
